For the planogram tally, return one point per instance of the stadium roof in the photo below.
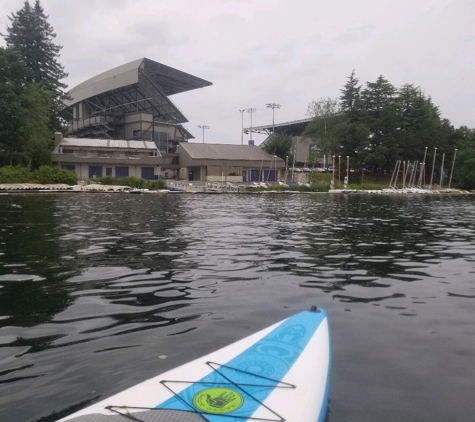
(294, 128)
(227, 152)
(170, 80)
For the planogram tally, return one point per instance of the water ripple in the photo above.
(89, 283)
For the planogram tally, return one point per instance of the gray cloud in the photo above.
(258, 51)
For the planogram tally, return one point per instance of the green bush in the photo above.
(47, 175)
(466, 175)
(321, 177)
(14, 174)
(133, 182)
(465, 169)
(156, 184)
(106, 180)
(320, 187)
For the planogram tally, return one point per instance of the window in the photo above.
(148, 173)
(121, 172)
(95, 171)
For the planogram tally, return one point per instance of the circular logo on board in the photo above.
(218, 400)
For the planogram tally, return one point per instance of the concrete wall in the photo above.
(222, 174)
(230, 179)
(302, 148)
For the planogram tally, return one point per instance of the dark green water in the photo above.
(99, 292)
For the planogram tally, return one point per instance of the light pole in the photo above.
(203, 127)
(251, 111)
(242, 125)
(273, 106)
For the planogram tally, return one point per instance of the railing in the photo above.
(90, 122)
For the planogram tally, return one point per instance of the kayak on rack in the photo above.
(278, 374)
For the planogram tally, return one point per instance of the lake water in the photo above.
(99, 292)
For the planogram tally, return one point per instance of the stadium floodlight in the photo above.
(242, 125)
(203, 127)
(251, 111)
(273, 106)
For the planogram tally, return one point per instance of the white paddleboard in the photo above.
(278, 374)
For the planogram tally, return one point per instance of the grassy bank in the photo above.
(356, 182)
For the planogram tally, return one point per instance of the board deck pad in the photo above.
(147, 416)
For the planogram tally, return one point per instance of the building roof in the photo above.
(106, 143)
(170, 80)
(227, 152)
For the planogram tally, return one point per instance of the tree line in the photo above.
(377, 124)
(31, 91)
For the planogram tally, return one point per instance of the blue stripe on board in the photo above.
(271, 357)
(323, 410)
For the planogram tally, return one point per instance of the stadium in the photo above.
(122, 123)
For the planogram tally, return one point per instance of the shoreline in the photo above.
(19, 188)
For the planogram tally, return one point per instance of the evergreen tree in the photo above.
(350, 98)
(420, 123)
(382, 116)
(463, 139)
(25, 137)
(355, 142)
(12, 81)
(385, 124)
(31, 37)
(377, 96)
(37, 140)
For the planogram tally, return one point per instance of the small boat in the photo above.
(278, 374)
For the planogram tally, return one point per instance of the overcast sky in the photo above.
(262, 51)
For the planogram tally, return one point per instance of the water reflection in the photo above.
(90, 282)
